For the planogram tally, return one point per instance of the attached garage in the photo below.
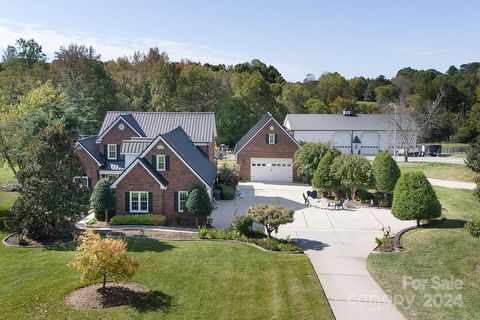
(271, 169)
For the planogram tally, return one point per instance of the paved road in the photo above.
(452, 184)
(336, 242)
(452, 160)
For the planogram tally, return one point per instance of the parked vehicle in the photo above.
(412, 152)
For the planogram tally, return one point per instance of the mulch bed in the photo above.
(14, 240)
(92, 297)
(160, 235)
(477, 267)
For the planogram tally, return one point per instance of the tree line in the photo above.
(77, 87)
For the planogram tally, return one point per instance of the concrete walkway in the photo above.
(336, 242)
(452, 184)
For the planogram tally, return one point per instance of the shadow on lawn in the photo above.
(134, 245)
(154, 301)
(447, 224)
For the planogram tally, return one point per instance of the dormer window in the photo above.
(112, 152)
(271, 138)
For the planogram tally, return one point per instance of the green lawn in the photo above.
(445, 171)
(6, 200)
(189, 280)
(444, 251)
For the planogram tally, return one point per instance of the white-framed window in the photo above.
(111, 151)
(138, 201)
(182, 200)
(161, 163)
(271, 138)
(82, 181)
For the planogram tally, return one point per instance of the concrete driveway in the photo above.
(337, 243)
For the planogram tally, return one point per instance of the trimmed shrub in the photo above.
(228, 174)
(322, 179)
(102, 200)
(198, 202)
(473, 227)
(242, 224)
(308, 156)
(271, 216)
(228, 193)
(139, 219)
(415, 199)
(385, 172)
(203, 232)
(352, 171)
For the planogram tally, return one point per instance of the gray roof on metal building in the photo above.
(181, 143)
(199, 126)
(243, 141)
(134, 146)
(90, 146)
(358, 122)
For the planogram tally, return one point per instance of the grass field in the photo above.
(444, 171)
(188, 280)
(6, 200)
(445, 251)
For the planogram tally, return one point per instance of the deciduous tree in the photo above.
(271, 216)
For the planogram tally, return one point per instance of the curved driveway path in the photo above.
(337, 243)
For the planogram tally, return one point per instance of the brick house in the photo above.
(265, 152)
(153, 159)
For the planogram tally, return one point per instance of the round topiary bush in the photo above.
(322, 179)
(415, 199)
(102, 200)
(385, 172)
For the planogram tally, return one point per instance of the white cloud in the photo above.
(112, 47)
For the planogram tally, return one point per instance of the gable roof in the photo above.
(182, 145)
(254, 130)
(179, 142)
(139, 161)
(88, 144)
(199, 126)
(332, 122)
(356, 140)
(128, 119)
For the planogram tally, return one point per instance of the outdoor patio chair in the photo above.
(340, 204)
(305, 199)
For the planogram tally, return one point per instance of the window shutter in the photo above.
(89, 182)
(167, 162)
(154, 162)
(119, 147)
(98, 175)
(127, 201)
(276, 138)
(175, 201)
(105, 151)
(266, 138)
(150, 202)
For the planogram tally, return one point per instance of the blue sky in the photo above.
(298, 37)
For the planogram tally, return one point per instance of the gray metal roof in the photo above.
(180, 142)
(90, 146)
(200, 126)
(335, 122)
(243, 141)
(134, 146)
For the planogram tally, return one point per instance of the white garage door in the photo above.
(370, 143)
(342, 141)
(270, 169)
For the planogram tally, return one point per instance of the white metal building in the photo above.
(365, 134)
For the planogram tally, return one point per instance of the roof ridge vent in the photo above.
(348, 113)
